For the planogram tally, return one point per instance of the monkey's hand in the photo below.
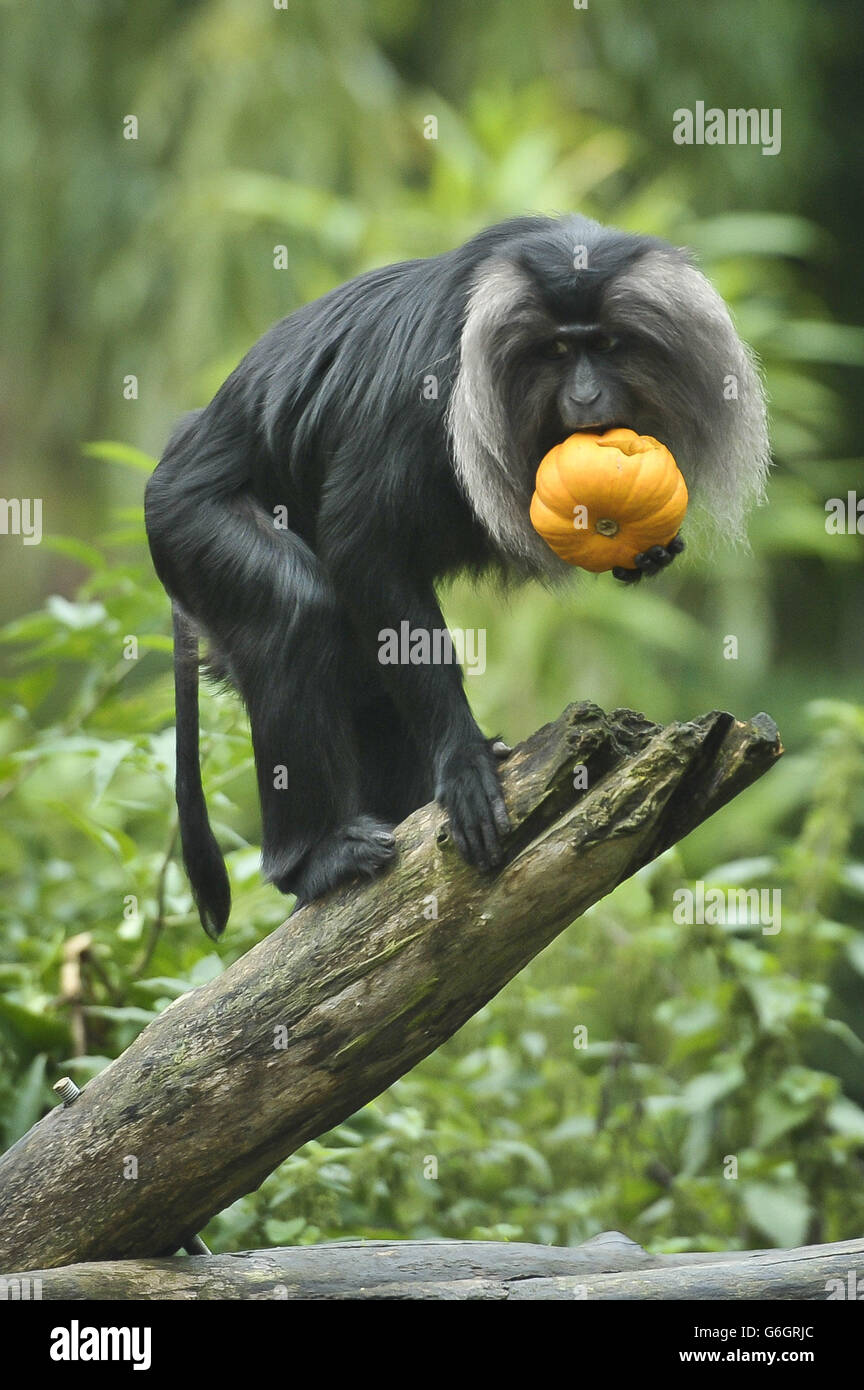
(469, 790)
(650, 562)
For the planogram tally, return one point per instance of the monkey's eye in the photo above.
(556, 347)
(606, 342)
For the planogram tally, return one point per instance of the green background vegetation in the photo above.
(155, 257)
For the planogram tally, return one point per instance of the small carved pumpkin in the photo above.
(601, 499)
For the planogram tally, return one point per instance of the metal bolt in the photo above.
(66, 1089)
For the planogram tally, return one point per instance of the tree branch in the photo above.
(354, 990)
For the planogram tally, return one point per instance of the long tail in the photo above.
(201, 854)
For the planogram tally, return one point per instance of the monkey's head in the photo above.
(574, 326)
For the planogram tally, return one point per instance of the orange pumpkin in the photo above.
(600, 499)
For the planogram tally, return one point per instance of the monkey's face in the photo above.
(639, 340)
(574, 380)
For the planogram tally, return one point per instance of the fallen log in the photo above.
(609, 1267)
(354, 990)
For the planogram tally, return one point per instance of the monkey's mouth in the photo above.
(559, 433)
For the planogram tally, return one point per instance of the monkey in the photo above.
(379, 441)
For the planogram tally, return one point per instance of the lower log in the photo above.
(609, 1267)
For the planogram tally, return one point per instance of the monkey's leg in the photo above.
(430, 698)
(317, 832)
(264, 597)
(394, 779)
(297, 680)
(396, 775)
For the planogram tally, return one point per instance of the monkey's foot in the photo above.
(650, 562)
(359, 849)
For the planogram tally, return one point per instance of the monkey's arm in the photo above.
(431, 698)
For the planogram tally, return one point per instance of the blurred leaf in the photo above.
(810, 340)
(31, 1031)
(782, 1214)
(29, 1100)
(78, 616)
(74, 549)
(706, 1090)
(847, 1119)
(114, 451)
(760, 234)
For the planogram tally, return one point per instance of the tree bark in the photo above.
(354, 990)
(608, 1267)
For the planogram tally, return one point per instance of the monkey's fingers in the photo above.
(458, 838)
(471, 795)
(465, 813)
(494, 797)
(659, 556)
(500, 748)
(480, 828)
(650, 562)
(655, 559)
(486, 833)
(469, 820)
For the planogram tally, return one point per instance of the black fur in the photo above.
(325, 418)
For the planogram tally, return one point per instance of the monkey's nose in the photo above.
(581, 400)
(582, 412)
